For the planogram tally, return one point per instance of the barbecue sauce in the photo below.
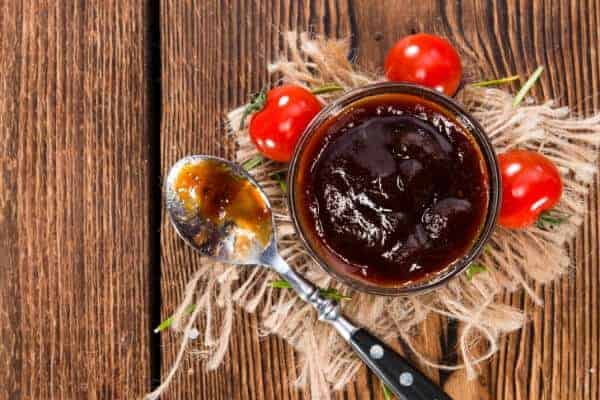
(391, 190)
(210, 189)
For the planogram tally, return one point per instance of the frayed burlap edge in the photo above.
(514, 259)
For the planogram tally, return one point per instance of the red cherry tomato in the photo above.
(530, 184)
(276, 127)
(426, 60)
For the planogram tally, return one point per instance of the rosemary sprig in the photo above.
(387, 394)
(169, 321)
(329, 293)
(279, 177)
(527, 86)
(474, 269)
(253, 162)
(333, 294)
(280, 284)
(327, 88)
(257, 102)
(549, 220)
(494, 82)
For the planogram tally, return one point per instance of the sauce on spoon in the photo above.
(212, 190)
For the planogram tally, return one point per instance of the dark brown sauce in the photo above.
(211, 189)
(393, 189)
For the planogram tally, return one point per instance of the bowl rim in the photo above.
(469, 123)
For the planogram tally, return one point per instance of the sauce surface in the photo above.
(391, 190)
(210, 189)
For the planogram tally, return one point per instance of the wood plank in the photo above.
(213, 57)
(209, 67)
(74, 200)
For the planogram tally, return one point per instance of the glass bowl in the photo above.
(447, 105)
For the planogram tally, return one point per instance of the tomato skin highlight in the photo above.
(531, 184)
(287, 111)
(426, 60)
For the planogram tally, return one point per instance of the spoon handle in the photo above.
(406, 382)
(401, 378)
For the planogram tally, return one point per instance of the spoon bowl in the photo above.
(218, 241)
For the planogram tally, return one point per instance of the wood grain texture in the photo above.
(73, 200)
(214, 53)
(214, 56)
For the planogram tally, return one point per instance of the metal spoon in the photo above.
(218, 242)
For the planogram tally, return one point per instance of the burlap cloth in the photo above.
(514, 259)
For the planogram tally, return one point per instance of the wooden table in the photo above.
(97, 100)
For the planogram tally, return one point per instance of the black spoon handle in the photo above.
(398, 375)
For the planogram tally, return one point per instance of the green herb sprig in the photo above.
(549, 220)
(495, 82)
(387, 394)
(253, 162)
(328, 293)
(327, 88)
(280, 178)
(169, 321)
(475, 269)
(257, 102)
(527, 86)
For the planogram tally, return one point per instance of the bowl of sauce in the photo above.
(394, 188)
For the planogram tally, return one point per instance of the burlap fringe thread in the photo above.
(514, 259)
